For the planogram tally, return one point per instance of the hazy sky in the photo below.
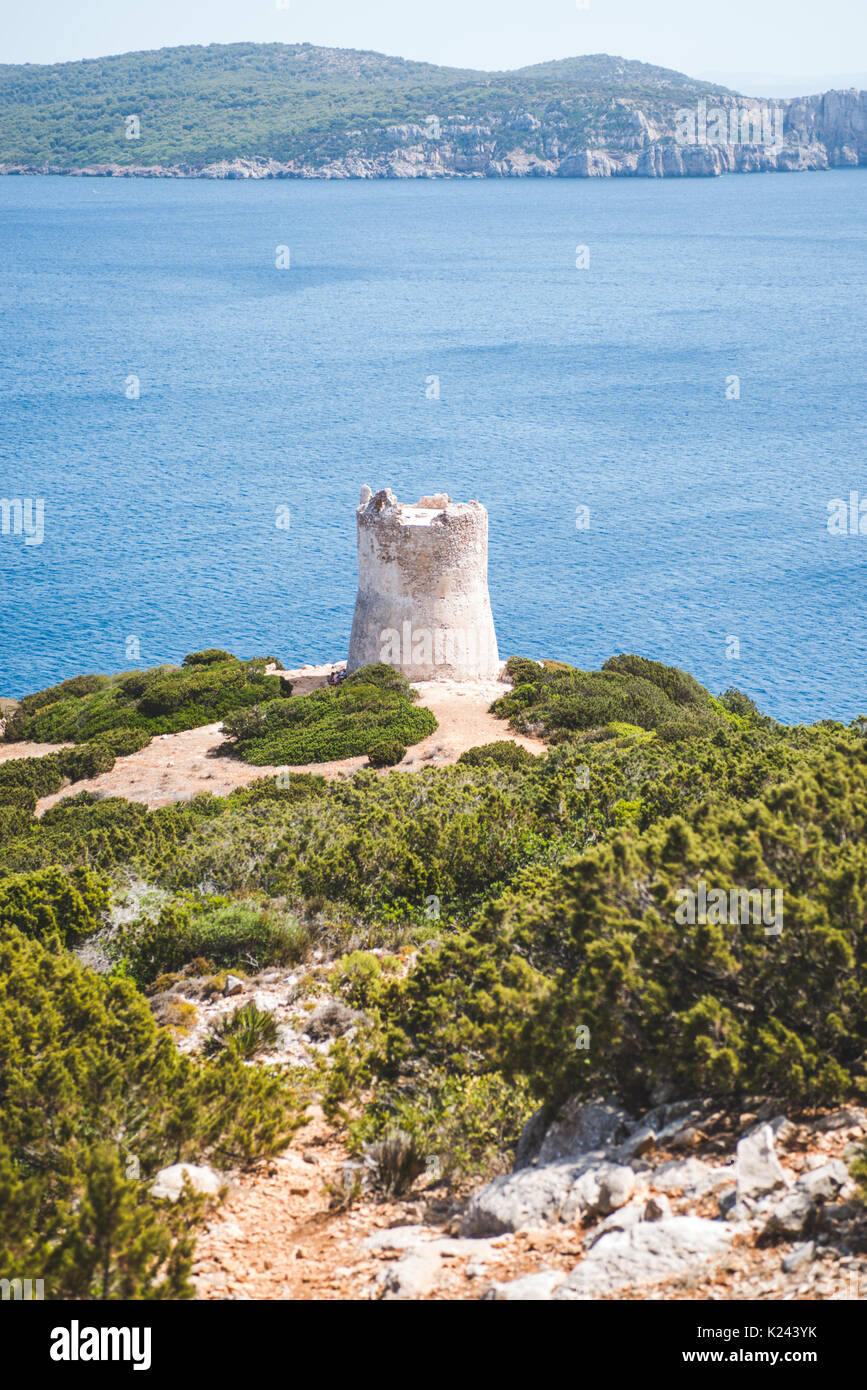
(783, 39)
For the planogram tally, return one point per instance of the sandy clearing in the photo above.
(9, 751)
(177, 767)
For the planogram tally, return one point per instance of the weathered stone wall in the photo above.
(423, 602)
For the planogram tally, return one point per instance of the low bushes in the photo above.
(21, 797)
(380, 847)
(163, 699)
(560, 702)
(537, 897)
(211, 657)
(374, 705)
(708, 1006)
(65, 906)
(123, 742)
(224, 934)
(244, 1033)
(456, 1126)
(46, 775)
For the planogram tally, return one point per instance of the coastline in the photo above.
(654, 161)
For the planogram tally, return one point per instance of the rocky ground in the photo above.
(692, 1200)
(755, 1210)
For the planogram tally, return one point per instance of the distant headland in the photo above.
(253, 111)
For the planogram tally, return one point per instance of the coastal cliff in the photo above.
(280, 111)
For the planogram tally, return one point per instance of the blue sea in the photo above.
(170, 392)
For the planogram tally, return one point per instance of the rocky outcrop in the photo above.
(649, 1216)
(681, 1233)
(417, 1271)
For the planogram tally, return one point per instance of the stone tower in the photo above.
(423, 602)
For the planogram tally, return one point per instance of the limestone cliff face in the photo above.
(423, 603)
(835, 121)
(617, 140)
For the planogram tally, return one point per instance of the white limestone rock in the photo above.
(646, 1253)
(169, 1182)
(758, 1168)
(530, 1288)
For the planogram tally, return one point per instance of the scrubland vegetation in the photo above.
(519, 899)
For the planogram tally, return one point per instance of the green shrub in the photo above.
(286, 788)
(359, 978)
(228, 936)
(560, 702)
(88, 760)
(382, 677)
(163, 699)
(21, 797)
(630, 731)
(244, 1033)
(524, 672)
(75, 689)
(208, 657)
(133, 684)
(371, 706)
(451, 1128)
(245, 725)
(504, 753)
(386, 753)
(122, 742)
(737, 702)
(701, 1007)
(42, 776)
(54, 903)
(679, 687)
(45, 775)
(14, 822)
(676, 730)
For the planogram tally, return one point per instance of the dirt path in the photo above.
(177, 767)
(278, 1235)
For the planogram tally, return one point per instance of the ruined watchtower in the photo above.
(423, 602)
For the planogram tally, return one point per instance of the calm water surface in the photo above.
(265, 388)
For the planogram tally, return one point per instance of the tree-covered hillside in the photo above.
(196, 105)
